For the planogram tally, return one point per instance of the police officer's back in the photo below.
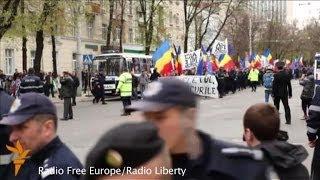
(31, 83)
(33, 120)
(5, 155)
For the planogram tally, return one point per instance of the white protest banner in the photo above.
(191, 59)
(218, 48)
(202, 85)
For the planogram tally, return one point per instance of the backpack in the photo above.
(268, 80)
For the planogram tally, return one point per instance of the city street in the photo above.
(221, 118)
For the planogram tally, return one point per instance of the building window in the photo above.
(116, 35)
(104, 31)
(74, 31)
(9, 61)
(130, 35)
(90, 25)
(32, 57)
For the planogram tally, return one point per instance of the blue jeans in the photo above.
(267, 94)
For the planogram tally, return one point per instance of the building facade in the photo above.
(274, 10)
(169, 23)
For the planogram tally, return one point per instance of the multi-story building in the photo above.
(169, 23)
(275, 10)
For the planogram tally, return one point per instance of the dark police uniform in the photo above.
(5, 155)
(53, 156)
(222, 161)
(218, 160)
(31, 83)
(44, 163)
(313, 125)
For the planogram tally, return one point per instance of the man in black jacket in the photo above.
(76, 84)
(313, 126)
(282, 90)
(67, 91)
(261, 124)
(171, 106)
(31, 83)
(5, 156)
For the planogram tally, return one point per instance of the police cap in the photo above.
(128, 145)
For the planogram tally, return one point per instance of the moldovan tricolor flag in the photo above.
(162, 59)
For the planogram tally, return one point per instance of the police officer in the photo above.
(67, 92)
(31, 83)
(5, 156)
(101, 82)
(125, 88)
(172, 106)
(130, 146)
(33, 120)
(313, 125)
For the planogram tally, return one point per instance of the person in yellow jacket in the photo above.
(125, 89)
(254, 78)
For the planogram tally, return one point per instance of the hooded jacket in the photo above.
(286, 159)
(308, 87)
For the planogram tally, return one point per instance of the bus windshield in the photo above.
(111, 66)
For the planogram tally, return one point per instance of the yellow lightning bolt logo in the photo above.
(21, 156)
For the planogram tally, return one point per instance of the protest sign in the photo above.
(202, 85)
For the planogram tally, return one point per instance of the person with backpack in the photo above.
(267, 83)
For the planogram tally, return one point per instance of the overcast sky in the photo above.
(305, 10)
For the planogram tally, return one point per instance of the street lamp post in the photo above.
(250, 35)
(78, 54)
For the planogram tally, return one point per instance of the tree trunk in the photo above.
(54, 54)
(48, 6)
(111, 8)
(185, 43)
(39, 51)
(24, 53)
(24, 42)
(122, 23)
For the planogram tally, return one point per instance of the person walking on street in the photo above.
(76, 84)
(307, 93)
(282, 90)
(261, 123)
(31, 83)
(67, 90)
(155, 75)
(267, 83)
(102, 80)
(135, 84)
(33, 122)
(125, 89)
(171, 105)
(143, 81)
(254, 78)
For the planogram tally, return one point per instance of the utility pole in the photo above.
(78, 53)
(250, 34)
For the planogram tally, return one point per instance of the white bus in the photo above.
(112, 65)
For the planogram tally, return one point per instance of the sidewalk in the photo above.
(83, 98)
